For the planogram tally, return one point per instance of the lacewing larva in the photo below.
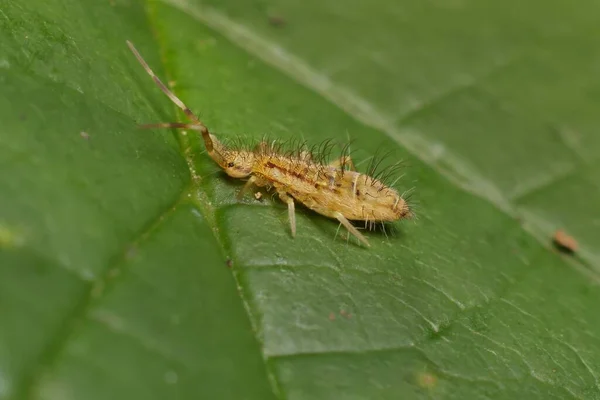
(335, 190)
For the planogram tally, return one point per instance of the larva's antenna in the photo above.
(196, 123)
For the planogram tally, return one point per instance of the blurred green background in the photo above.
(121, 277)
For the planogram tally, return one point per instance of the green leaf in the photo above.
(121, 276)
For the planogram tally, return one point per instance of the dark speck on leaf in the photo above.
(277, 21)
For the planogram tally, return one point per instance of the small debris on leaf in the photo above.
(84, 135)
(277, 21)
(258, 195)
(332, 316)
(229, 262)
(565, 242)
(426, 380)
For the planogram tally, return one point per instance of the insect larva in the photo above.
(335, 190)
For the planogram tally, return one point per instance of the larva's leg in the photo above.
(351, 228)
(249, 183)
(346, 161)
(291, 210)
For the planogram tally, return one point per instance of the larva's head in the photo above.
(235, 163)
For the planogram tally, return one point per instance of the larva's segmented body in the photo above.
(329, 189)
(334, 190)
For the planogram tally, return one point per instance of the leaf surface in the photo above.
(122, 276)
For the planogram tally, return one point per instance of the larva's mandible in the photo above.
(335, 190)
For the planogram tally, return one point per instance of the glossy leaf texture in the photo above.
(128, 268)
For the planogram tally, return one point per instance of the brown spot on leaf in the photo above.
(565, 242)
(426, 380)
(277, 21)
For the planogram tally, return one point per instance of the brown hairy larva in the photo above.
(335, 190)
